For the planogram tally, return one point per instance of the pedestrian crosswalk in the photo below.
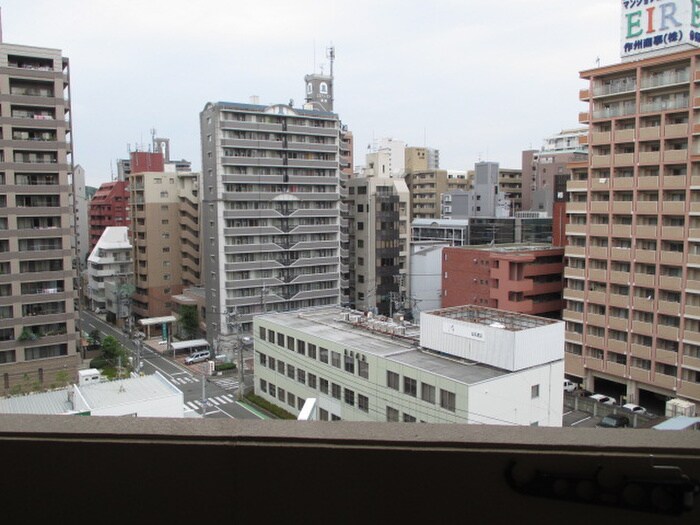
(227, 384)
(183, 380)
(196, 404)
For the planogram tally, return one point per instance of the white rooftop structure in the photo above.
(145, 396)
(110, 266)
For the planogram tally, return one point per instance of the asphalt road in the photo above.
(219, 393)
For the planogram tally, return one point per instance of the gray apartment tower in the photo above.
(37, 312)
(271, 210)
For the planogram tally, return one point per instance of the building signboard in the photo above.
(658, 26)
(463, 330)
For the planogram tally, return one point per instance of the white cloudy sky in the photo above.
(476, 79)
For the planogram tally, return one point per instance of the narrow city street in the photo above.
(215, 396)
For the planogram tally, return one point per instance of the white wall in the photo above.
(508, 399)
(425, 278)
(170, 406)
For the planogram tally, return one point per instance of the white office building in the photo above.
(466, 364)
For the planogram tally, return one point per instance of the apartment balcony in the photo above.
(676, 155)
(622, 230)
(622, 207)
(643, 279)
(600, 206)
(651, 207)
(574, 364)
(646, 232)
(695, 208)
(691, 337)
(578, 273)
(644, 304)
(571, 315)
(617, 346)
(584, 94)
(664, 381)
(598, 252)
(692, 311)
(643, 352)
(575, 229)
(669, 308)
(576, 185)
(649, 157)
(595, 364)
(584, 117)
(597, 298)
(574, 295)
(576, 207)
(673, 233)
(620, 278)
(637, 374)
(675, 182)
(618, 324)
(575, 251)
(650, 133)
(623, 183)
(676, 130)
(624, 135)
(600, 183)
(643, 328)
(616, 369)
(596, 319)
(600, 276)
(689, 390)
(600, 137)
(672, 258)
(695, 182)
(600, 161)
(671, 333)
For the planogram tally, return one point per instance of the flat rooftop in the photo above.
(494, 318)
(513, 248)
(328, 323)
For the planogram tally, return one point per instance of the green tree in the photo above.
(111, 348)
(189, 321)
(94, 338)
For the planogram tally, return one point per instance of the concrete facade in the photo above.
(108, 207)
(37, 313)
(427, 187)
(366, 369)
(111, 263)
(271, 218)
(518, 278)
(633, 235)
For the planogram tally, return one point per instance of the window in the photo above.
(280, 340)
(273, 390)
(363, 369)
(335, 390)
(291, 371)
(363, 402)
(301, 347)
(262, 359)
(322, 414)
(262, 333)
(349, 364)
(281, 394)
(392, 414)
(312, 381)
(427, 393)
(408, 418)
(535, 391)
(409, 386)
(312, 351)
(392, 380)
(290, 343)
(447, 400)
(335, 359)
(323, 355)
(349, 397)
(263, 385)
(323, 385)
(280, 366)
(272, 363)
(301, 376)
(271, 336)
(291, 399)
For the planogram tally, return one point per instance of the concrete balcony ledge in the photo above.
(476, 471)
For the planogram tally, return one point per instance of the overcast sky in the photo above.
(477, 80)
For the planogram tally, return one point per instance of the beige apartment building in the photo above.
(427, 186)
(37, 289)
(632, 272)
(421, 159)
(165, 223)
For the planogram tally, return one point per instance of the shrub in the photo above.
(276, 411)
(98, 362)
(220, 367)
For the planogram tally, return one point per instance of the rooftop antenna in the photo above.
(597, 61)
(331, 56)
(0, 25)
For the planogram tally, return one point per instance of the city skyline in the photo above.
(158, 64)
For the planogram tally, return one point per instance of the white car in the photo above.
(197, 357)
(600, 398)
(569, 386)
(636, 409)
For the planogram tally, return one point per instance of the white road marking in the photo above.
(581, 421)
(214, 401)
(229, 398)
(191, 405)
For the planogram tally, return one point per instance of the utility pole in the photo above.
(203, 365)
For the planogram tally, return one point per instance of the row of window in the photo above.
(350, 361)
(312, 381)
(448, 400)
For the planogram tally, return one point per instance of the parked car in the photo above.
(197, 357)
(614, 421)
(600, 398)
(569, 386)
(636, 409)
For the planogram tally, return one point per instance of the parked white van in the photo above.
(197, 357)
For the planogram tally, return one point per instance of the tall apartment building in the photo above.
(379, 243)
(108, 207)
(37, 312)
(427, 187)
(633, 253)
(165, 218)
(540, 167)
(271, 209)
(110, 272)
